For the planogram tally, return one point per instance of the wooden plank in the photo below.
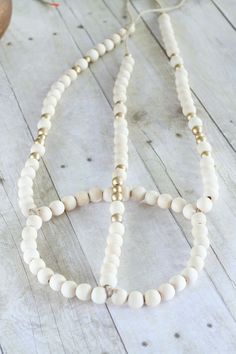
(228, 10)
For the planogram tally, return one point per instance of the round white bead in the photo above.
(190, 274)
(55, 93)
(68, 289)
(29, 232)
(122, 32)
(120, 108)
(101, 49)
(178, 204)
(58, 86)
(194, 122)
(48, 109)
(38, 148)
(108, 268)
(116, 38)
(28, 244)
(112, 258)
(152, 298)
(72, 74)
(164, 201)
(198, 218)
(57, 207)
(69, 202)
(196, 262)
(25, 192)
(109, 44)
(93, 54)
(119, 297)
(167, 291)
(115, 239)
(138, 193)
(32, 163)
(28, 171)
(117, 207)
(151, 197)
(95, 195)
(99, 295)
(203, 146)
(108, 279)
(44, 123)
(25, 182)
(56, 281)
(36, 264)
(199, 251)
(202, 240)
(82, 63)
(199, 230)
(107, 194)
(44, 275)
(83, 292)
(117, 228)
(178, 282)
(135, 299)
(45, 213)
(82, 198)
(30, 254)
(113, 249)
(34, 221)
(188, 211)
(204, 204)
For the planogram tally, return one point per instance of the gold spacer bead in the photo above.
(121, 167)
(200, 138)
(190, 115)
(178, 66)
(197, 130)
(77, 69)
(46, 116)
(43, 131)
(205, 153)
(117, 181)
(117, 189)
(120, 116)
(117, 217)
(35, 155)
(88, 59)
(40, 139)
(117, 196)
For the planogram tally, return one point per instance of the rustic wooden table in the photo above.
(38, 46)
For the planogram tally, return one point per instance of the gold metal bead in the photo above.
(117, 189)
(46, 116)
(200, 137)
(121, 167)
(40, 139)
(197, 130)
(88, 59)
(35, 155)
(178, 66)
(205, 153)
(120, 115)
(77, 69)
(117, 196)
(43, 131)
(117, 181)
(190, 115)
(117, 217)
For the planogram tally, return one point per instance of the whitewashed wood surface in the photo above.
(39, 45)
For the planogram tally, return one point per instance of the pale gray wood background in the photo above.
(39, 45)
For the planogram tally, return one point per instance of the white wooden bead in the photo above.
(95, 195)
(72, 74)
(117, 207)
(116, 38)
(120, 96)
(152, 298)
(101, 49)
(48, 109)
(38, 148)
(190, 274)
(36, 264)
(199, 230)
(178, 282)
(65, 79)
(117, 228)
(109, 44)
(113, 249)
(44, 275)
(194, 122)
(108, 268)
(178, 204)
(199, 251)
(68, 289)
(82, 63)
(164, 201)
(203, 146)
(176, 60)
(57, 207)
(198, 218)
(188, 211)
(45, 213)
(115, 239)
(34, 221)
(107, 194)
(69, 202)
(82, 198)
(32, 163)
(28, 171)
(196, 262)
(135, 299)
(99, 295)
(55, 93)
(138, 193)
(204, 204)
(30, 254)
(25, 181)
(129, 59)
(112, 258)
(58, 86)
(167, 291)
(202, 240)
(108, 279)
(93, 54)
(151, 197)
(56, 281)
(83, 292)
(123, 32)
(119, 297)
(120, 108)
(29, 232)
(49, 100)
(207, 161)
(25, 192)
(44, 123)
(28, 244)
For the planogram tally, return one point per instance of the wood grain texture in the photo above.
(37, 48)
